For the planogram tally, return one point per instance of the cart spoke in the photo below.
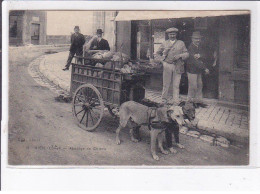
(80, 111)
(95, 115)
(95, 104)
(83, 116)
(91, 117)
(79, 98)
(84, 94)
(87, 119)
(90, 96)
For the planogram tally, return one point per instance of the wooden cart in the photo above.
(94, 88)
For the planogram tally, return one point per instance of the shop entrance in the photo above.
(147, 36)
(208, 29)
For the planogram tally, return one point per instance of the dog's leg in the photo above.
(176, 133)
(122, 124)
(117, 135)
(160, 142)
(154, 135)
(134, 131)
(168, 137)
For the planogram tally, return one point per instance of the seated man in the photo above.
(99, 43)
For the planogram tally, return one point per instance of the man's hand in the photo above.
(176, 57)
(197, 56)
(207, 71)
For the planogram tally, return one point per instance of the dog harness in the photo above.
(151, 114)
(156, 124)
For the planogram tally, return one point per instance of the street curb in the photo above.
(241, 136)
(50, 76)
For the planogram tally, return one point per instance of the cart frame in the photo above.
(94, 88)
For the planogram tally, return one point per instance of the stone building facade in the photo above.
(27, 27)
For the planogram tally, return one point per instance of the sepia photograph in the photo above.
(137, 88)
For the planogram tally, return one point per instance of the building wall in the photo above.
(233, 80)
(34, 17)
(55, 39)
(61, 39)
(105, 20)
(226, 59)
(123, 39)
(24, 20)
(110, 29)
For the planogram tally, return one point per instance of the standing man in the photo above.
(99, 43)
(76, 47)
(195, 67)
(172, 52)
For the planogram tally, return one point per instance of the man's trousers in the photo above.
(195, 87)
(170, 75)
(71, 55)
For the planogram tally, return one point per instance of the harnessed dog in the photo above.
(134, 115)
(172, 127)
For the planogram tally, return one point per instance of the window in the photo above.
(143, 37)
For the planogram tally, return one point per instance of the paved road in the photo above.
(43, 132)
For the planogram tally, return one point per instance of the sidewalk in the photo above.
(229, 122)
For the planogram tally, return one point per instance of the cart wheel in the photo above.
(88, 107)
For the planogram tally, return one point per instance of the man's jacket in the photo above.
(99, 45)
(195, 66)
(77, 42)
(172, 49)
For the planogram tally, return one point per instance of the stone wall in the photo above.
(62, 39)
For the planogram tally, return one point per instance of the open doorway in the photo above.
(35, 34)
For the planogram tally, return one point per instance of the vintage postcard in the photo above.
(131, 88)
(119, 87)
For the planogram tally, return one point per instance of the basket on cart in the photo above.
(94, 88)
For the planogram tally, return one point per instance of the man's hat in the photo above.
(171, 30)
(76, 27)
(196, 35)
(99, 31)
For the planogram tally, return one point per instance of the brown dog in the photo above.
(133, 114)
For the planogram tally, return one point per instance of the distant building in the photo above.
(27, 27)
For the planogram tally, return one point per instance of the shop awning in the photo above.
(151, 15)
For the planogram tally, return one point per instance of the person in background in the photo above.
(76, 47)
(195, 68)
(99, 43)
(172, 52)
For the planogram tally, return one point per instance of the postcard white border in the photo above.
(169, 178)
